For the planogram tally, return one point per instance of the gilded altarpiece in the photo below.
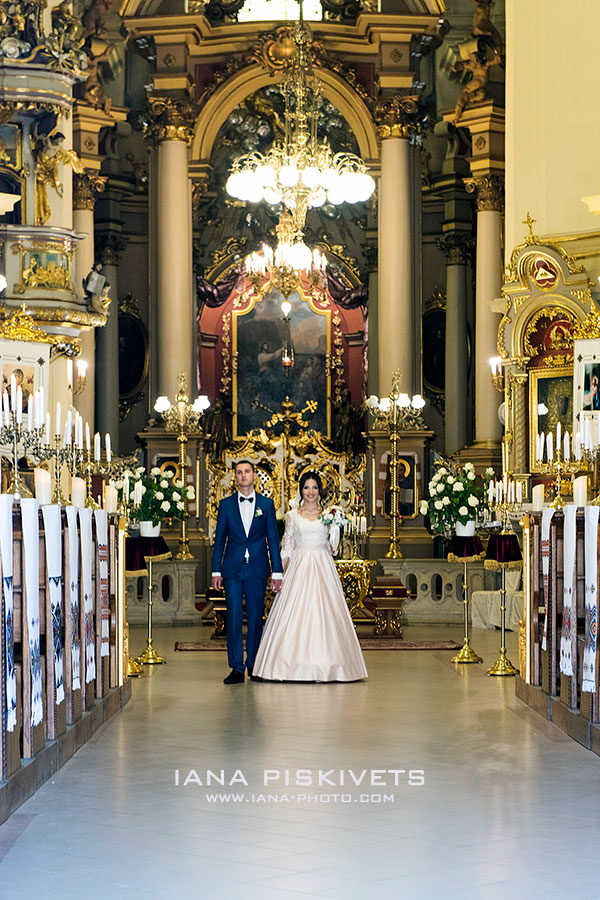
(547, 304)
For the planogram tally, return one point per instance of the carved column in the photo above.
(490, 204)
(85, 188)
(109, 246)
(457, 247)
(170, 130)
(398, 124)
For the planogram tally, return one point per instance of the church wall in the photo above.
(552, 131)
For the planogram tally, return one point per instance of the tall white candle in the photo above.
(549, 449)
(577, 448)
(20, 405)
(558, 434)
(108, 450)
(519, 492)
(87, 436)
(97, 446)
(567, 450)
(57, 428)
(13, 392)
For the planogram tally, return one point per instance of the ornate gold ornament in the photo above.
(21, 327)
(490, 191)
(86, 185)
(589, 328)
(559, 341)
(169, 119)
(109, 246)
(399, 117)
(226, 354)
(46, 172)
(355, 575)
(55, 274)
(274, 50)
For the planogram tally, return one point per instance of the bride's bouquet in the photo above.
(334, 519)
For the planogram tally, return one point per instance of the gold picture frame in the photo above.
(552, 389)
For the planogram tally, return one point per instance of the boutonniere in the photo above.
(258, 512)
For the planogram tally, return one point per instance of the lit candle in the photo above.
(107, 444)
(97, 446)
(57, 425)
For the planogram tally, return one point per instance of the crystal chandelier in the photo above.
(290, 260)
(301, 171)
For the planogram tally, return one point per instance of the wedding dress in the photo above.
(309, 635)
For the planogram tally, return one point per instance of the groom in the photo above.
(245, 538)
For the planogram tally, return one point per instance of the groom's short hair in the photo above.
(242, 462)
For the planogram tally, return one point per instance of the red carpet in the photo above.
(365, 643)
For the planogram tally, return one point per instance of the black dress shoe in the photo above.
(249, 670)
(255, 678)
(234, 678)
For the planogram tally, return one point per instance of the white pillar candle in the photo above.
(43, 486)
(549, 449)
(77, 492)
(110, 499)
(57, 428)
(97, 446)
(537, 497)
(108, 450)
(19, 405)
(363, 524)
(580, 491)
(567, 449)
(6, 407)
(558, 434)
(87, 436)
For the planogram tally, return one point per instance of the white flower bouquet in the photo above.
(334, 519)
(455, 495)
(156, 496)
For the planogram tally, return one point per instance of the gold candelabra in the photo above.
(557, 467)
(395, 414)
(182, 417)
(282, 424)
(501, 548)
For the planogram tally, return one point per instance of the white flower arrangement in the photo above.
(333, 516)
(454, 496)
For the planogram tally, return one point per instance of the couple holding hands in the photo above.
(309, 635)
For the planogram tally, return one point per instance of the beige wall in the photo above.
(552, 122)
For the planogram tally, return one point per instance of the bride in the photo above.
(309, 635)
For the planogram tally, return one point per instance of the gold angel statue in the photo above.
(46, 170)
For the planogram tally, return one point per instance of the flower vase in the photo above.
(467, 530)
(147, 529)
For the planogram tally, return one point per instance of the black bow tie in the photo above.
(249, 499)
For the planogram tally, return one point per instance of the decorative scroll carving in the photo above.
(399, 117)
(86, 185)
(457, 247)
(490, 191)
(169, 119)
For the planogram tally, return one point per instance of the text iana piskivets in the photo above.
(305, 777)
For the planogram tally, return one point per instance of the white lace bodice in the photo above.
(303, 534)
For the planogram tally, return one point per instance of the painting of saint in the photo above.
(260, 342)
(591, 385)
(24, 376)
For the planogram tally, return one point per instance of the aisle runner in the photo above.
(566, 638)
(101, 517)
(73, 544)
(31, 581)
(52, 527)
(6, 552)
(591, 598)
(85, 527)
(546, 520)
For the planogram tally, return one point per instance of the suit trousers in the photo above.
(246, 586)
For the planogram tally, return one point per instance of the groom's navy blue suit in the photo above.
(245, 563)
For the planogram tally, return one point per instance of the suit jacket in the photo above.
(231, 542)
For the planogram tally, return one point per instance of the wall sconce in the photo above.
(497, 373)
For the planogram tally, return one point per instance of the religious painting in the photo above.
(262, 346)
(586, 387)
(29, 362)
(550, 403)
(407, 484)
(45, 268)
(10, 146)
(133, 354)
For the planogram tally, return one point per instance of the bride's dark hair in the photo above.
(312, 476)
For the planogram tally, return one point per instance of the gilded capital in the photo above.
(85, 187)
(457, 246)
(169, 119)
(400, 117)
(489, 189)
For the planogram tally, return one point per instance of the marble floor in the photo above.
(509, 806)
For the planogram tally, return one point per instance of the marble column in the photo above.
(170, 129)
(488, 279)
(457, 247)
(399, 245)
(110, 246)
(85, 187)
